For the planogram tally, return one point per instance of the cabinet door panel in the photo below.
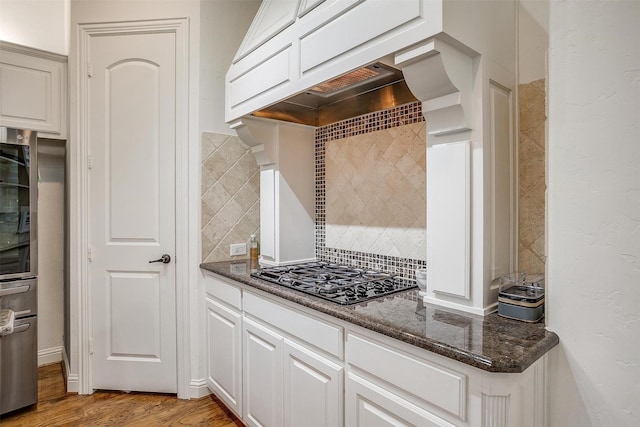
(312, 389)
(32, 90)
(262, 376)
(369, 405)
(224, 354)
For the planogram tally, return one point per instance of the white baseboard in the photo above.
(73, 382)
(65, 359)
(198, 389)
(50, 355)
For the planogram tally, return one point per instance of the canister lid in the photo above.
(521, 295)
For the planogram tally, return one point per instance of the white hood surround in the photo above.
(458, 58)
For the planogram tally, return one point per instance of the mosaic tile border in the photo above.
(379, 120)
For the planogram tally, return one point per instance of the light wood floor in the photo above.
(109, 408)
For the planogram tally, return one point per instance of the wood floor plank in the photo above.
(113, 408)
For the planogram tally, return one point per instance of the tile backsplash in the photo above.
(532, 187)
(231, 192)
(230, 195)
(370, 191)
(376, 191)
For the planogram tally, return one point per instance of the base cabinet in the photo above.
(312, 388)
(224, 353)
(288, 384)
(276, 364)
(262, 376)
(369, 405)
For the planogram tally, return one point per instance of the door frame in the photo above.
(80, 303)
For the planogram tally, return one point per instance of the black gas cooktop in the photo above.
(338, 283)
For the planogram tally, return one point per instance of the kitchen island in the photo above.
(371, 352)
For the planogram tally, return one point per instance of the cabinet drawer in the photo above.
(325, 336)
(428, 381)
(369, 405)
(223, 291)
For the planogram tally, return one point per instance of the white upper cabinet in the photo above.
(33, 87)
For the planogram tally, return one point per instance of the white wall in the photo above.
(223, 25)
(593, 268)
(51, 160)
(533, 39)
(41, 24)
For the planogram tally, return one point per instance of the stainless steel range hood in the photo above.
(372, 88)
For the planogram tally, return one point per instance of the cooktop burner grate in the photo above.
(333, 282)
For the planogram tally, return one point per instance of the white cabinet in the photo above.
(224, 353)
(369, 405)
(312, 388)
(302, 384)
(391, 383)
(262, 376)
(224, 342)
(33, 87)
(286, 383)
(271, 364)
(276, 363)
(439, 387)
(386, 386)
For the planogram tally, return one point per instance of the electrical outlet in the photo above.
(238, 249)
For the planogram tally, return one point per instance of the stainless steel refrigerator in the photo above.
(18, 269)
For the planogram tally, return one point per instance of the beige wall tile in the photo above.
(531, 221)
(211, 142)
(376, 188)
(531, 162)
(207, 214)
(230, 195)
(215, 198)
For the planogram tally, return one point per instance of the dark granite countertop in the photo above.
(491, 343)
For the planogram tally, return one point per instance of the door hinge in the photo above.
(91, 346)
(89, 69)
(89, 254)
(89, 162)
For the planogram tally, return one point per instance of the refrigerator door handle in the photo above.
(15, 290)
(17, 329)
(22, 313)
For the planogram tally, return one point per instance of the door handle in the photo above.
(165, 259)
(15, 290)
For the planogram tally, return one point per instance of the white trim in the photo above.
(71, 379)
(38, 53)
(199, 389)
(51, 355)
(268, 263)
(495, 410)
(73, 383)
(480, 311)
(540, 393)
(80, 196)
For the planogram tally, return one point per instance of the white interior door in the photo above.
(132, 142)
